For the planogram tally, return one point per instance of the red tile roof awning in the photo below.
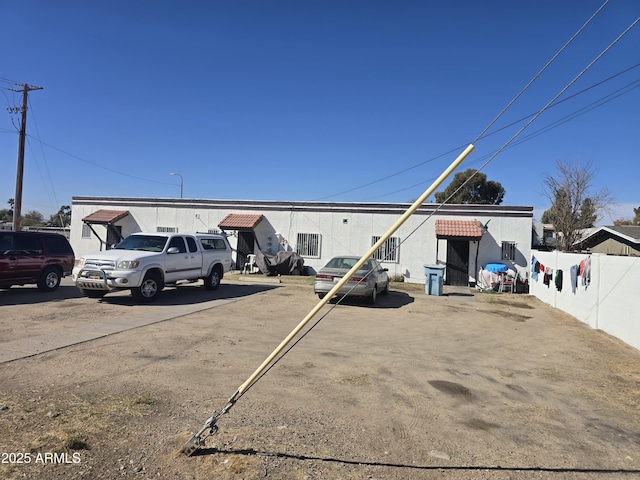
(240, 221)
(458, 228)
(105, 217)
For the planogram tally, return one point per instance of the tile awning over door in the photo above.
(458, 228)
(240, 221)
(105, 217)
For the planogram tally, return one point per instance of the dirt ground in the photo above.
(465, 386)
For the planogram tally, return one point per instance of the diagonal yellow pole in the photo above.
(355, 268)
(196, 441)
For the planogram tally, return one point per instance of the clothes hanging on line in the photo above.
(559, 280)
(535, 268)
(574, 277)
(586, 274)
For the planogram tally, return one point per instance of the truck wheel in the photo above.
(212, 282)
(49, 279)
(93, 293)
(150, 288)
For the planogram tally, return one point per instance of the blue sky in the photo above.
(336, 101)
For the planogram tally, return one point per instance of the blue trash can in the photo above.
(434, 279)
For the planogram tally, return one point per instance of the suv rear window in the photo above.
(57, 245)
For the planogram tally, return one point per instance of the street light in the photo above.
(181, 181)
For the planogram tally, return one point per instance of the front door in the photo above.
(114, 235)
(458, 262)
(246, 242)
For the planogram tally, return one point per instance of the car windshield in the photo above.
(147, 243)
(346, 263)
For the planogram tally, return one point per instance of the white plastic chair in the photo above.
(250, 265)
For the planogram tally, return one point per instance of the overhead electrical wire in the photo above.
(44, 159)
(482, 133)
(101, 166)
(386, 177)
(535, 77)
(598, 103)
(487, 134)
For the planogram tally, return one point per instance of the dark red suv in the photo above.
(34, 257)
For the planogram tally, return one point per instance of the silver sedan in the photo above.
(372, 279)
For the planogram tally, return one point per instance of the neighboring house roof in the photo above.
(630, 233)
(240, 221)
(459, 228)
(105, 217)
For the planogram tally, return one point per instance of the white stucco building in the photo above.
(461, 237)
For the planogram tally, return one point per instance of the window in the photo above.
(86, 231)
(6, 243)
(191, 243)
(308, 245)
(28, 245)
(213, 230)
(178, 242)
(509, 251)
(213, 244)
(167, 229)
(57, 245)
(389, 251)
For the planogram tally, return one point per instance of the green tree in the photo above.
(33, 218)
(6, 215)
(62, 218)
(574, 204)
(472, 186)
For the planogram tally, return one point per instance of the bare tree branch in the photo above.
(574, 203)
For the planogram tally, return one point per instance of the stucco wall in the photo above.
(345, 229)
(613, 246)
(610, 302)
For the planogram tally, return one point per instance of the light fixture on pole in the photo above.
(181, 181)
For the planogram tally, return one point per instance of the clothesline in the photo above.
(580, 270)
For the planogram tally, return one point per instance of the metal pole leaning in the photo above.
(196, 440)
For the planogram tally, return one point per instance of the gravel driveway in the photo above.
(467, 386)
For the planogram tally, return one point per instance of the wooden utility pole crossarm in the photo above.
(17, 207)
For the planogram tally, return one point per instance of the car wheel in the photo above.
(49, 279)
(373, 296)
(212, 282)
(386, 289)
(150, 288)
(322, 295)
(93, 293)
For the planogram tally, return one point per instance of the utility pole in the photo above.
(17, 208)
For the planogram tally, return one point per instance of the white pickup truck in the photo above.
(147, 262)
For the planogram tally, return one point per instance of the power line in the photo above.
(598, 103)
(99, 165)
(493, 132)
(482, 134)
(535, 77)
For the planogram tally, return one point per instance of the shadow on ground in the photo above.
(400, 466)
(171, 296)
(393, 299)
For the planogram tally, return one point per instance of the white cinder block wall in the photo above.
(610, 302)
